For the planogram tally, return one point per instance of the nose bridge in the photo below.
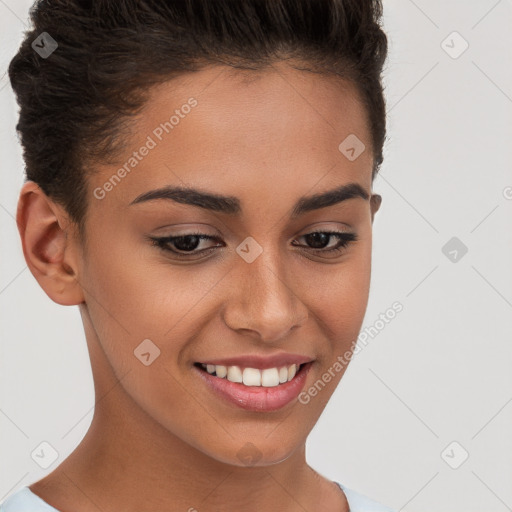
(262, 298)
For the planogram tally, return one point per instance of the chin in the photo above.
(253, 452)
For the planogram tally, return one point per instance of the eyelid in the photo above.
(328, 226)
(173, 230)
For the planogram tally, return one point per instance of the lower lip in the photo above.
(257, 398)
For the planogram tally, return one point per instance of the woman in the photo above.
(199, 183)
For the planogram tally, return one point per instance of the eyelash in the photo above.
(345, 239)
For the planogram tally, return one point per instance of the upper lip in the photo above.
(261, 362)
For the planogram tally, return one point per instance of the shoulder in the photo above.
(23, 500)
(360, 503)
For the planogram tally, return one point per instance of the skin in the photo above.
(159, 439)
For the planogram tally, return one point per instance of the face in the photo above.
(255, 273)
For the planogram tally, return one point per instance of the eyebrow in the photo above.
(231, 205)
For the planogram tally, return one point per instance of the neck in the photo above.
(138, 465)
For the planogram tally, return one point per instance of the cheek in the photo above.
(341, 295)
(141, 288)
(133, 296)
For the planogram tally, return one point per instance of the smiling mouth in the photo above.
(253, 377)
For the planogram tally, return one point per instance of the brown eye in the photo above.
(187, 242)
(184, 245)
(319, 240)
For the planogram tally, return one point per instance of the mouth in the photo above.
(255, 389)
(268, 377)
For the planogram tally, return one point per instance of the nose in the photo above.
(264, 300)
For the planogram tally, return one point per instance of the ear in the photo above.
(375, 202)
(46, 237)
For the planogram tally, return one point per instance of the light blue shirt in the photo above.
(24, 500)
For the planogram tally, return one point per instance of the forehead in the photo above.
(238, 103)
(227, 129)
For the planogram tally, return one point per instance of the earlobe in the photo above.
(44, 230)
(375, 202)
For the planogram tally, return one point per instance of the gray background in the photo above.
(439, 372)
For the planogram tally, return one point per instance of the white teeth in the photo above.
(234, 374)
(252, 377)
(269, 377)
(221, 371)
